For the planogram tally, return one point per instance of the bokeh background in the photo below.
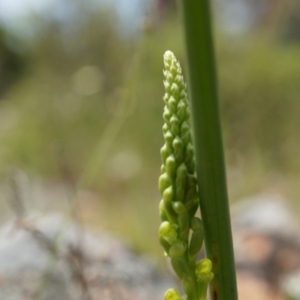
(81, 104)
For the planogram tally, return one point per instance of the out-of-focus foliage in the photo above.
(291, 28)
(11, 64)
(90, 86)
(66, 97)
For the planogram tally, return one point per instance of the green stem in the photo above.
(194, 295)
(208, 146)
(202, 291)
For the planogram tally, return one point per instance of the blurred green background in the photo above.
(81, 104)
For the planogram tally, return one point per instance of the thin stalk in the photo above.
(208, 146)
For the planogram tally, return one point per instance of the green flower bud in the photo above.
(194, 207)
(168, 194)
(177, 144)
(179, 208)
(183, 93)
(165, 128)
(184, 229)
(168, 232)
(196, 224)
(192, 182)
(181, 109)
(162, 211)
(181, 182)
(170, 213)
(167, 115)
(180, 267)
(179, 195)
(168, 57)
(188, 113)
(168, 138)
(171, 166)
(195, 243)
(191, 188)
(182, 173)
(185, 126)
(179, 80)
(177, 249)
(186, 138)
(191, 166)
(166, 96)
(172, 294)
(164, 182)
(174, 125)
(203, 271)
(191, 194)
(167, 86)
(168, 77)
(175, 90)
(163, 216)
(165, 245)
(189, 153)
(165, 151)
(172, 102)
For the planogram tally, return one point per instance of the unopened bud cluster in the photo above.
(180, 233)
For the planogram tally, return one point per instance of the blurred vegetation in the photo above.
(11, 64)
(89, 103)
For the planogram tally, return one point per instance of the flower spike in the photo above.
(180, 233)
